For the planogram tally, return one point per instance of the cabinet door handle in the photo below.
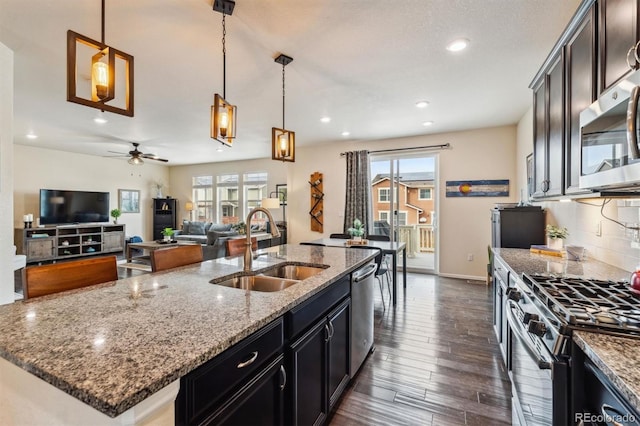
(327, 333)
(607, 410)
(331, 329)
(254, 356)
(283, 374)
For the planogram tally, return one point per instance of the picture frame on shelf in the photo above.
(129, 200)
(281, 189)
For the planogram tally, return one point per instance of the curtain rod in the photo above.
(441, 146)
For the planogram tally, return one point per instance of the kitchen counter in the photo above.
(522, 260)
(112, 346)
(618, 358)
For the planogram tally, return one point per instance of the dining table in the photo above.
(387, 247)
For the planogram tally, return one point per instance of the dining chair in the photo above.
(340, 236)
(41, 280)
(381, 273)
(172, 257)
(236, 246)
(385, 258)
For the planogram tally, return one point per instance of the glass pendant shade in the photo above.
(283, 144)
(223, 121)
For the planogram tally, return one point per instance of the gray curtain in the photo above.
(357, 202)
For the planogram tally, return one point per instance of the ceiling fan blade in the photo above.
(154, 157)
(116, 152)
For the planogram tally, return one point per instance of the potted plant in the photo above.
(115, 214)
(357, 231)
(240, 227)
(556, 236)
(168, 234)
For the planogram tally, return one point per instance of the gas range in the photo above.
(589, 304)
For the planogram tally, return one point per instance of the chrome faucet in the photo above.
(248, 256)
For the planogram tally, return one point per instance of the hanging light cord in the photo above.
(283, 127)
(224, 58)
(102, 21)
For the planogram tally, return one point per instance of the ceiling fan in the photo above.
(137, 155)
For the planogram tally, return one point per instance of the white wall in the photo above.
(36, 168)
(581, 217)
(180, 178)
(6, 175)
(464, 225)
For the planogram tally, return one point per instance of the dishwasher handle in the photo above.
(364, 273)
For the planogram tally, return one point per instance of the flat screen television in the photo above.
(60, 207)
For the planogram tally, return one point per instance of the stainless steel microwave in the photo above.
(610, 155)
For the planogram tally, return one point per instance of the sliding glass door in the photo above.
(403, 198)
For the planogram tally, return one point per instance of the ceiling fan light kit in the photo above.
(283, 141)
(223, 113)
(103, 73)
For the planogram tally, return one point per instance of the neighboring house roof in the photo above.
(420, 210)
(413, 179)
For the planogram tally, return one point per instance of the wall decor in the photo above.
(477, 188)
(316, 197)
(129, 200)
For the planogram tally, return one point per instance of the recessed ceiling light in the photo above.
(100, 120)
(31, 135)
(427, 123)
(219, 149)
(422, 104)
(325, 119)
(458, 45)
(345, 133)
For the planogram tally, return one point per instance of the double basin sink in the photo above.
(275, 279)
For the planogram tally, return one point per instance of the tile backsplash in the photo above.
(584, 219)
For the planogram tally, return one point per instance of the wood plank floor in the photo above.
(436, 361)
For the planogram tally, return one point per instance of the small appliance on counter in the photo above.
(517, 227)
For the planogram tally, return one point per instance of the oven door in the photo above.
(539, 380)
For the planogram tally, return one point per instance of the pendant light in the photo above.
(223, 114)
(103, 73)
(283, 142)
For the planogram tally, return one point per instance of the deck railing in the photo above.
(419, 238)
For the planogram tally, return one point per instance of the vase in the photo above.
(357, 238)
(167, 238)
(555, 243)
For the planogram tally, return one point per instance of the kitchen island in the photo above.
(122, 347)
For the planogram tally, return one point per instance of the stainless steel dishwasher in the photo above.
(362, 288)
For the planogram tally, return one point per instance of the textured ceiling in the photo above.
(364, 63)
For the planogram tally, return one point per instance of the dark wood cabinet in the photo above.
(618, 33)
(580, 62)
(548, 148)
(164, 215)
(320, 366)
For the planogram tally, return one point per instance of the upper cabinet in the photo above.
(618, 37)
(580, 72)
(562, 88)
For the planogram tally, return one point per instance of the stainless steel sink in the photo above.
(293, 272)
(257, 283)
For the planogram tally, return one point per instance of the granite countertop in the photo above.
(617, 357)
(522, 260)
(113, 345)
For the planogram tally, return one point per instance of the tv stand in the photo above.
(52, 243)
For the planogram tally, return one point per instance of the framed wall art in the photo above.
(129, 200)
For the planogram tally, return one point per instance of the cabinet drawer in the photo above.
(205, 387)
(302, 316)
(500, 270)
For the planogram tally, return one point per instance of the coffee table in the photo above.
(150, 246)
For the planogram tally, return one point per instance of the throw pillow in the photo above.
(185, 227)
(212, 236)
(220, 227)
(196, 228)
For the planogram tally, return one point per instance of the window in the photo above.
(228, 207)
(401, 218)
(202, 195)
(255, 189)
(425, 194)
(383, 195)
